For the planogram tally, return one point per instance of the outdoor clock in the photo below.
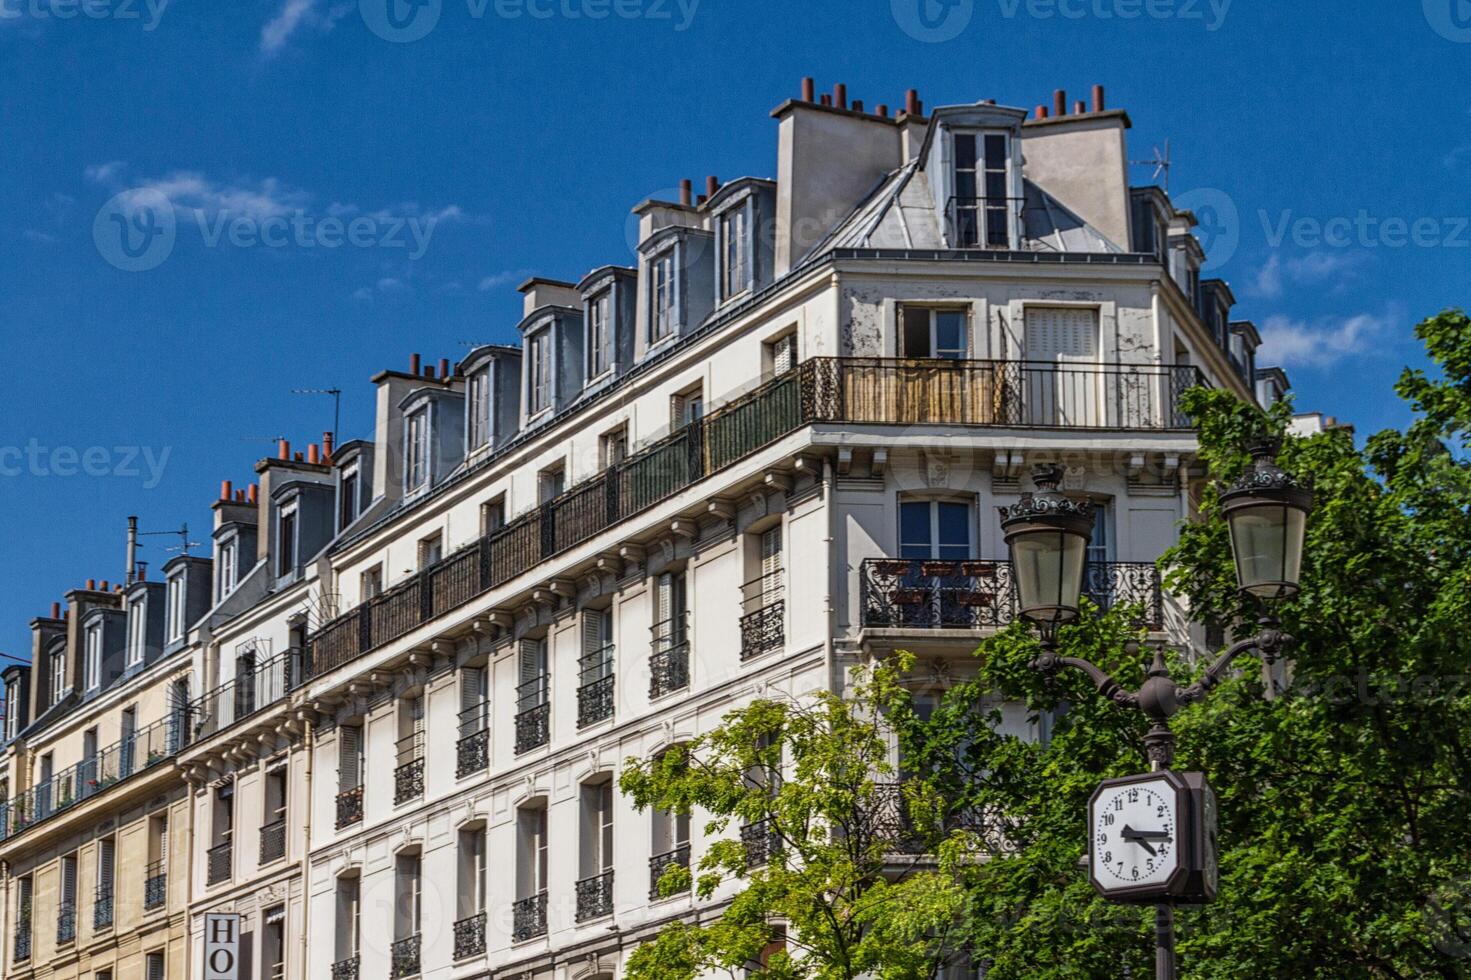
(1152, 839)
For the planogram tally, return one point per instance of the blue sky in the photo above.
(515, 135)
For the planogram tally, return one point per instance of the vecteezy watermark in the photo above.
(1365, 230)
(405, 21)
(1210, 13)
(1448, 919)
(1218, 223)
(1451, 19)
(933, 21)
(136, 230)
(125, 462)
(150, 12)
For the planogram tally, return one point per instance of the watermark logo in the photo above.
(1448, 919)
(38, 461)
(135, 231)
(1218, 223)
(1451, 19)
(1365, 230)
(150, 12)
(933, 21)
(1210, 13)
(401, 21)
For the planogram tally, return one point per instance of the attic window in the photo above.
(735, 252)
(599, 334)
(477, 410)
(58, 676)
(661, 297)
(12, 707)
(347, 507)
(416, 450)
(539, 372)
(980, 208)
(137, 630)
(177, 613)
(94, 657)
(286, 541)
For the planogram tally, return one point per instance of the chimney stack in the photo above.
(1080, 108)
(429, 371)
(827, 100)
(883, 110)
(283, 449)
(912, 105)
(1041, 112)
(239, 496)
(809, 90)
(857, 105)
(327, 447)
(414, 364)
(712, 186)
(1098, 105)
(311, 454)
(444, 368)
(56, 610)
(253, 493)
(227, 489)
(91, 585)
(686, 192)
(840, 95)
(1059, 102)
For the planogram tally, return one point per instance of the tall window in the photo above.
(229, 559)
(934, 333)
(981, 211)
(273, 831)
(347, 510)
(531, 856)
(416, 450)
(12, 708)
(153, 966)
(58, 676)
(349, 907)
(599, 334)
(178, 613)
(349, 758)
(286, 541)
(137, 630)
(408, 888)
(94, 657)
(66, 911)
(735, 249)
(686, 407)
(106, 867)
(273, 943)
(661, 297)
(1100, 546)
(477, 409)
(539, 371)
(613, 447)
(596, 855)
(934, 529)
(471, 892)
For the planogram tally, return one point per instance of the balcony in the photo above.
(890, 821)
(273, 842)
(66, 922)
(404, 957)
(529, 918)
(267, 683)
(595, 897)
(660, 863)
(218, 862)
(408, 778)
(346, 969)
(880, 391)
(102, 907)
(472, 751)
(764, 615)
(762, 843)
(669, 663)
(533, 714)
(920, 594)
(92, 776)
(23, 934)
(596, 691)
(155, 885)
(470, 937)
(349, 807)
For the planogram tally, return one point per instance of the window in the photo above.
(613, 447)
(94, 657)
(12, 708)
(1062, 334)
(474, 701)
(154, 966)
(661, 298)
(223, 816)
(347, 508)
(349, 908)
(471, 892)
(477, 410)
(286, 541)
(686, 407)
(934, 333)
(106, 868)
(531, 854)
(597, 828)
(539, 372)
(273, 944)
(431, 549)
(938, 529)
(58, 676)
(493, 514)
(1100, 546)
(980, 208)
(137, 630)
(781, 354)
(416, 450)
(229, 562)
(23, 909)
(273, 832)
(66, 909)
(178, 614)
(408, 890)
(371, 583)
(349, 758)
(89, 771)
(599, 334)
(551, 481)
(735, 252)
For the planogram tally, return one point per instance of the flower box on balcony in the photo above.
(891, 567)
(909, 597)
(938, 569)
(978, 569)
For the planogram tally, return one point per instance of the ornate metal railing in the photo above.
(889, 820)
(889, 391)
(273, 842)
(155, 885)
(595, 693)
(131, 756)
(259, 686)
(349, 807)
(472, 751)
(408, 778)
(533, 714)
(102, 907)
(669, 663)
(660, 863)
(595, 896)
(66, 922)
(470, 937)
(763, 622)
(218, 861)
(972, 594)
(347, 969)
(404, 957)
(23, 934)
(529, 918)
(762, 842)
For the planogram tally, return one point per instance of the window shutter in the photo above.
(105, 861)
(69, 880)
(594, 630)
(155, 966)
(163, 846)
(1061, 333)
(784, 354)
(663, 594)
(533, 660)
(349, 761)
(472, 688)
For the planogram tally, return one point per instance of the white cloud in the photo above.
(1291, 343)
(39, 237)
(105, 173)
(1269, 280)
(294, 15)
(506, 278)
(1312, 268)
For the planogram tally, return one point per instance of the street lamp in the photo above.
(1152, 837)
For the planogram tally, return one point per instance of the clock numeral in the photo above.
(1118, 803)
(1133, 796)
(1108, 857)
(1108, 819)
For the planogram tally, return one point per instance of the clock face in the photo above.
(1135, 835)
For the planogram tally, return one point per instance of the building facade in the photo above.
(767, 451)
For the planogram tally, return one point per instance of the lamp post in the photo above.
(1047, 533)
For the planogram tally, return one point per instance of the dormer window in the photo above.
(177, 612)
(286, 541)
(12, 707)
(735, 252)
(137, 631)
(93, 657)
(229, 563)
(416, 450)
(58, 676)
(477, 410)
(661, 297)
(599, 334)
(539, 372)
(981, 208)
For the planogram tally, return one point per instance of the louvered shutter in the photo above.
(533, 660)
(69, 880)
(784, 354)
(105, 861)
(1056, 334)
(349, 758)
(472, 700)
(771, 565)
(155, 966)
(163, 846)
(594, 630)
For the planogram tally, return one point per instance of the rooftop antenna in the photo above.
(336, 394)
(1160, 163)
(182, 534)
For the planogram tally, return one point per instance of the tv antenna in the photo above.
(336, 394)
(1161, 164)
(182, 534)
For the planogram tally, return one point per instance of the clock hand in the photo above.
(1143, 837)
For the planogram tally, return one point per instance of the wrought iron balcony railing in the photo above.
(529, 918)
(349, 807)
(889, 820)
(470, 937)
(533, 714)
(595, 693)
(472, 751)
(882, 391)
(660, 863)
(408, 778)
(916, 593)
(155, 885)
(669, 663)
(595, 896)
(218, 862)
(347, 969)
(66, 922)
(763, 622)
(130, 756)
(273, 842)
(762, 843)
(404, 957)
(255, 689)
(102, 907)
